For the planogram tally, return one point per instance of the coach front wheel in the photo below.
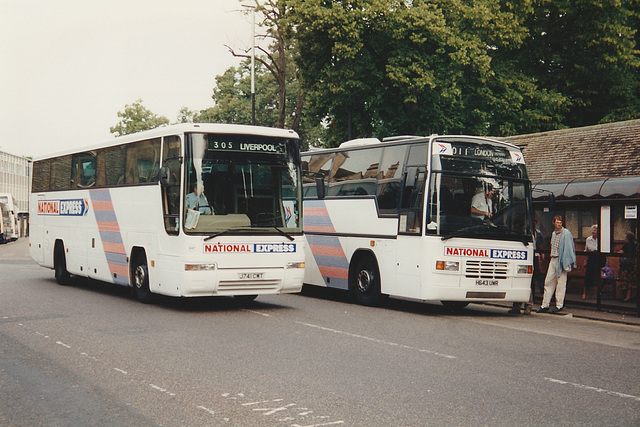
(141, 280)
(365, 282)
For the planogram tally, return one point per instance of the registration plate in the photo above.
(250, 275)
(480, 282)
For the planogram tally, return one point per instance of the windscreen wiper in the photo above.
(484, 226)
(228, 230)
(284, 233)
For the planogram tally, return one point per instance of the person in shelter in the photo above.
(563, 257)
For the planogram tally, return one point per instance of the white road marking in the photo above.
(379, 341)
(318, 425)
(267, 411)
(595, 389)
(160, 389)
(271, 411)
(257, 312)
(207, 410)
(263, 401)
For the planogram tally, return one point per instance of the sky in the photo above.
(68, 66)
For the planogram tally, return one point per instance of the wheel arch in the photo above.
(358, 255)
(58, 245)
(58, 242)
(60, 262)
(136, 251)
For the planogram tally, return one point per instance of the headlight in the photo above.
(525, 269)
(448, 265)
(199, 267)
(295, 265)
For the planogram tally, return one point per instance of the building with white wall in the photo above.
(15, 178)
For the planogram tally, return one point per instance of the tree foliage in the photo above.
(232, 98)
(359, 68)
(401, 67)
(587, 51)
(275, 65)
(185, 115)
(136, 118)
(456, 66)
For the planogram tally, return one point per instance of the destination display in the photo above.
(265, 147)
(470, 150)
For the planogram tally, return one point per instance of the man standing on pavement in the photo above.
(563, 256)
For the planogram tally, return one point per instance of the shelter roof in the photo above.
(610, 150)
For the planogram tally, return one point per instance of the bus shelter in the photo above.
(612, 205)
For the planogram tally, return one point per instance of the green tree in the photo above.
(232, 98)
(417, 67)
(279, 95)
(232, 101)
(278, 60)
(136, 118)
(185, 115)
(587, 51)
(388, 67)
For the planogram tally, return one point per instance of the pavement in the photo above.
(585, 313)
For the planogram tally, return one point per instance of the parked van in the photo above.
(5, 224)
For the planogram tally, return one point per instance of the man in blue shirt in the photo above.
(563, 256)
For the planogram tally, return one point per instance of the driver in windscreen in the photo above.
(482, 203)
(199, 203)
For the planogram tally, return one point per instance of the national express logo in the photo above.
(264, 248)
(485, 253)
(71, 207)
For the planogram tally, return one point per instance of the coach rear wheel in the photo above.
(60, 265)
(365, 282)
(141, 280)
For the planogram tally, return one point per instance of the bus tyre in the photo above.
(141, 280)
(60, 265)
(365, 282)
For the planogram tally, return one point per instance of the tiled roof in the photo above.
(600, 151)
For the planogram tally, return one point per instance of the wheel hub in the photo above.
(139, 277)
(365, 278)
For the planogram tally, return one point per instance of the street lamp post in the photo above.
(253, 66)
(253, 61)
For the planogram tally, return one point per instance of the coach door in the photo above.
(410, 229)
(170, 175)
